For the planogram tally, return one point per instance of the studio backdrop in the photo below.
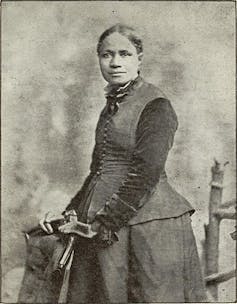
(52, 95)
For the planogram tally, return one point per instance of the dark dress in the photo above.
(145, 250)
(155, 258)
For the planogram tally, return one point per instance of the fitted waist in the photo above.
(112, 167)
(118, 169)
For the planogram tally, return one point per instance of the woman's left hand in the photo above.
(78, 228)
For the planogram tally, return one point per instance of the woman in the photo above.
(138, 244)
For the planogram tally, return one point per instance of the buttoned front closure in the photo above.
(105, 142)
(114, 139)
(112, 158)
(113, 163)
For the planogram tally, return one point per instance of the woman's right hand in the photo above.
(45, 222)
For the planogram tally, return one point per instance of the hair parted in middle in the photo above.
(125, 30)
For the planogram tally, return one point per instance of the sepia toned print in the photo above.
(154, 110)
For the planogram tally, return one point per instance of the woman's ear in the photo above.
(140, 56)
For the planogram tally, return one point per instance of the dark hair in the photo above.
(124, 30)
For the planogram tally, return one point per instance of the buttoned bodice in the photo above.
(115, 162)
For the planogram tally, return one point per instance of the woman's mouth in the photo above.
(116, 73)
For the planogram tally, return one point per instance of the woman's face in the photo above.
(119, 61)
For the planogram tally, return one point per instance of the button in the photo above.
(102, 161)
(100, 168)
(98, 173)
(105, 129)
(104, 141)
(103, 155)
(105, 135)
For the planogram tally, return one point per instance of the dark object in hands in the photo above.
(66, 253)
(83, 228)
(37, 230)
(69, 217)
(64, 258)
(55, 224)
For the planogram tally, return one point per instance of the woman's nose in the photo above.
(115, 61)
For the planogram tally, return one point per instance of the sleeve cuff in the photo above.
(115, 214)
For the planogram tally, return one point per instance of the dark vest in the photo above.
(112, 156)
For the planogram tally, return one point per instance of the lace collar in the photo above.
(121, 91)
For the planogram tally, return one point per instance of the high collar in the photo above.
(121, 91)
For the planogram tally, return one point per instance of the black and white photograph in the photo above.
(118, 152)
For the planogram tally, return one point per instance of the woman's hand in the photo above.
(45, 223)
(79, 228)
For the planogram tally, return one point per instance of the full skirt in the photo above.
(156, 261)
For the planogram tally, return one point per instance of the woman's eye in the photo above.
(125, 54)
(105, 55)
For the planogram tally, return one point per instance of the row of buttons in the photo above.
(104, 148)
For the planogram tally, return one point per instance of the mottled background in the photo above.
(52, 94)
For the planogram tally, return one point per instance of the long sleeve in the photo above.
(154, 138)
